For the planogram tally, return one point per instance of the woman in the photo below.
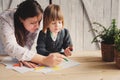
(18, 30)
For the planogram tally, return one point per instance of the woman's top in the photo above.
(46, 45)
(8, 43)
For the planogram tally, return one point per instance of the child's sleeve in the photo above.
(67, 39)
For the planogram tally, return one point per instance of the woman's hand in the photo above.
(28, 64)
(53, 59)
(68, 52)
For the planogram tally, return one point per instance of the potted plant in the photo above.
(117, 49)
(106, 37)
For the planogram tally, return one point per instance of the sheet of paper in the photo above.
(63, 65)
(22, 69)
(9, 62)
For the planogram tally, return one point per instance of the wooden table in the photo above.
(91, 68)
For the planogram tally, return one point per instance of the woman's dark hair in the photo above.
(28, 8)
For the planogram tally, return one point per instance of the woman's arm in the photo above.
(50, 60)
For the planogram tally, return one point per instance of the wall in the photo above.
(79, 14)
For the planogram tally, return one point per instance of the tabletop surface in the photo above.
(91, 68)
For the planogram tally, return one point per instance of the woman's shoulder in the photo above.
(7, 13)
(8, 16)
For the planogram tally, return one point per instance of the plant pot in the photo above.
(117, 58)
(107, 52)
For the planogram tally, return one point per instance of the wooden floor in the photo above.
(91, 68)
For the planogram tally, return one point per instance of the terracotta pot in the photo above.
(107, 52)
(117, 58)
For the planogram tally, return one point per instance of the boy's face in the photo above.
(56, 26)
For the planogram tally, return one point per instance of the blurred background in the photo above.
(79, 16)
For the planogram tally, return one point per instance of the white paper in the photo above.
(22, 69)
(9, 62)
(63, 65)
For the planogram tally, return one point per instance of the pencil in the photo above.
(65, 59)
(16, 65)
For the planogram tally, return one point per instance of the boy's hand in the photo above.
(68, 52)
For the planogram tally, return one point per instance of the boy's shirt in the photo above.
(46, 45)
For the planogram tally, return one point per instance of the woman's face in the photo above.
(32, 24)
(56, 26)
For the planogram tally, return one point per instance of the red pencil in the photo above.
(16, 65)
